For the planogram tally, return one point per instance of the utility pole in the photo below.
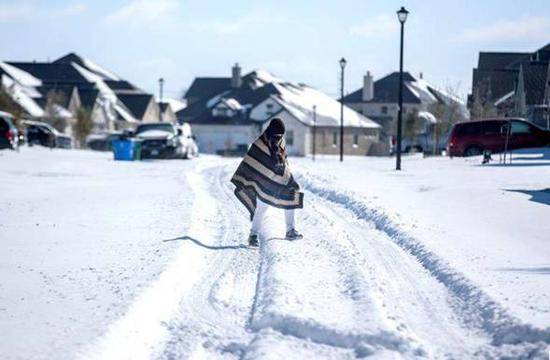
(161, 85)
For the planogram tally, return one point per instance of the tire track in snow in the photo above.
(475, 306)
(418, 305)
(143, 331)
(314, 290)
(211, 321)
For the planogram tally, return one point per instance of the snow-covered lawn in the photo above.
(113, 260)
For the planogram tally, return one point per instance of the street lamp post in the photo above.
(314, 128)
(402, 16)
(342, 66)
(161, 85)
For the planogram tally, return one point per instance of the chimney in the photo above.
(236, 80)
(368, 87)
(421, 75)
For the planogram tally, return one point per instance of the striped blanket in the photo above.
(261, 176)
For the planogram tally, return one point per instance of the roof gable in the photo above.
(51, 72)
(499, 60)
(207, 87)
(535, 81)
(386, 90)
(136, 103)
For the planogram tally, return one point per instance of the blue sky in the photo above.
(301, 41)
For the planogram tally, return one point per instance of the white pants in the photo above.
(259, 215)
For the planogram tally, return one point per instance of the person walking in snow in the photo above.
(263, 179)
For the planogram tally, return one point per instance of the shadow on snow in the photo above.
(540, 196)
(206, 246)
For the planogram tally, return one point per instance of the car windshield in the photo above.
(162, 127)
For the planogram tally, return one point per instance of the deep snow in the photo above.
(103, 259)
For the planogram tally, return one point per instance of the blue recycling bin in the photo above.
(127, 149)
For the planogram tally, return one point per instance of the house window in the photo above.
(334, 138)
(355, 140)
(289, 138)
(384, 110)
(404, 110)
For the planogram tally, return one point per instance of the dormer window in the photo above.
(222, 111)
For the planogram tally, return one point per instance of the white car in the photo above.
(165, 140)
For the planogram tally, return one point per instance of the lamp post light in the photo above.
(314, 129)
(402, 16)
(342, 66)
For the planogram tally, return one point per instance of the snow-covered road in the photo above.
(359, 284)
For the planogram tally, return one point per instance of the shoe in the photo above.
(292, 234)
(253, 240)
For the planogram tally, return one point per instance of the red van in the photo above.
(473, 137)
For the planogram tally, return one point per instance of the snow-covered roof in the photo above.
(99, 70)
(504, 98)
(123, 113)
(71, 58)
(299, 100)
(104, 90)
(259, 86)
(175, 104)
(61, 111)
(427, 116)
(21, 96)
(259, 78)
(232, 104)
(20, 76)
(415, 90)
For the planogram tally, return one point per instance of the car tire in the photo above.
(473, 151)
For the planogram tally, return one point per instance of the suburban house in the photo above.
(167, 114)
(512, 84)
(59, 88)
(532, 95)
(227, 114)
(379, 99)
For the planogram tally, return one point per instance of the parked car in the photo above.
(495, 135)
(102, 142)
(9, 136)
(422, 143)
(40, 133)
(164, 140)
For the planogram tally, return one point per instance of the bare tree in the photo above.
(53, 101)
(412, 125)
(481, 108)
(83, 125)
(7, 104)
(447, 113)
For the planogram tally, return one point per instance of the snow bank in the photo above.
(489, 315)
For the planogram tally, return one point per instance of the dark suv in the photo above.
(9, 137)
(474, 137)
(41, 133)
